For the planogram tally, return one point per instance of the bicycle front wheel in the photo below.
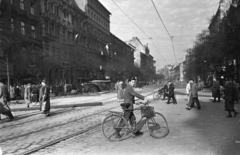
(158, 126)
(156, 96)
(111, 127)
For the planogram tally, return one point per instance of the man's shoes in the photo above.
(188, 108)
(137, 133)
(47, 114)
(229, 116)
(235, 114)
(28, 106)
(168, 102)
(199, 108)
(219, 101)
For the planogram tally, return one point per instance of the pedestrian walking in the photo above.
(188, 89)
(165, 91)
(22, 90)
(12, 93)
(120, 91)
(216, 90)
(230, 96)
(171, 94)
(34, 95)
(4, 98)
(44, 98)
(27, 94)
(18, 94)
(194, 96)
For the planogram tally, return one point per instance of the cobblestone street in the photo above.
(193, 132)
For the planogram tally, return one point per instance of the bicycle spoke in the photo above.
(157, 126)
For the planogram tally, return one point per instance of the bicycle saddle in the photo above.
(125, 105)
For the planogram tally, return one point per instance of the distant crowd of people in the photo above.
(30, 93)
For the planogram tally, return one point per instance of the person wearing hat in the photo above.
(129, 96)
(44, 98)
(4, 98)
(27, 94)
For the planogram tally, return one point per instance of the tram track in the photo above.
(82, 131)
(54, 114)
(71, 135)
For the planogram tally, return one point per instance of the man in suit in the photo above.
(129, 96)
(230, 96)
(194, 96)
(44, 98)
(165, 91)
(171, 93)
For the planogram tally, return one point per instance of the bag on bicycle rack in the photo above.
(147, 111)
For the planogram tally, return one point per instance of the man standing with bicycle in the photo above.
(129, 96)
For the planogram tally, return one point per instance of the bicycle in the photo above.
(156, 123)
(159, 94)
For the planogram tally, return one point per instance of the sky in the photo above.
(184, 19)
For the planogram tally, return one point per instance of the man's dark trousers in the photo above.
(174, 99)
(195, 100)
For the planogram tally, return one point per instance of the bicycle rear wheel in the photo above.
(156, 96)
(111, 123)
(158, 126)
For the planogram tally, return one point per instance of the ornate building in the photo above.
(21, 31)
(64, 41)
(122, 59)
(143, 59)
(98, 36)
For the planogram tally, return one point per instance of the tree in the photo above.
(11, 50)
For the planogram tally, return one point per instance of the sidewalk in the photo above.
(75, 101)
(95, 100)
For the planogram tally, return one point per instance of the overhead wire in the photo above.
(139, 29)
(171, 37)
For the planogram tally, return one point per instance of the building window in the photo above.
(32, 9)
(22, 4)
(33, 33)
(23, 28)
(12, 24)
